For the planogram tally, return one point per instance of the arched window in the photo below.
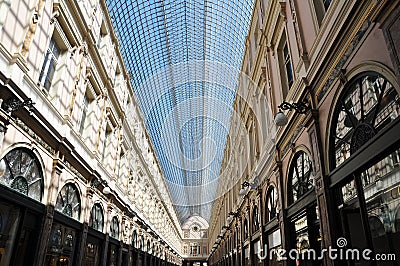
(20, 170)
(114, 227)
(368, 104)
(141, 243)
(148, 249)
(397, 220)
(134, 239)
(300, 180)
(96, 220)
(256, 223)
(68, 201)
(245, 229)
(376, 226)
(272, 201)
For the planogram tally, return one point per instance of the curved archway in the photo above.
(245, 228)
(114, 227)
(376, 226)
(397, 220)
(271, 204)
(255, 220)
(21, 171)
(366, 105)
(300, 176)
(69, 202)
(96, 220)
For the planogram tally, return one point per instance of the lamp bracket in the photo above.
(300, 107)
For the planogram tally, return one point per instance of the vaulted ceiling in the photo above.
(184, 59)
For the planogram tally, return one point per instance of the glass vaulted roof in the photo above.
(184, 59)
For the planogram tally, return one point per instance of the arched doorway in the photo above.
(21, 210)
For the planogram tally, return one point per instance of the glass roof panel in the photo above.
(184, 59)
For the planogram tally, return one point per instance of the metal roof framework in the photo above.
(184, 61)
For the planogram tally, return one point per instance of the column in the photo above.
(284, 227)
(4, 121)
(107, 240)
(321, 185)
(49, 215)
(85, 227)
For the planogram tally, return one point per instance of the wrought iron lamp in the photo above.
(230, 217)
(300, 108)
(245, 185)
(224, 229)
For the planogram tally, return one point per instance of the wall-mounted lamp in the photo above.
(224, 229)
(300, 107)
(230, 217)
(245, 185)
(106, 190)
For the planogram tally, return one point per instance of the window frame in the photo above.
(50, 61)
(94, 212)
(306, 177)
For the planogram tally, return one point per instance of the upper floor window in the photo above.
(288, 64)
(96, 220)
(102, 34)
(84, 114)
(21, 171)
(368, 104)
(285, 65)
(272, 201)
(49, 65)
(300, 179)
(107, 140)
(68, 201)
(321, 7)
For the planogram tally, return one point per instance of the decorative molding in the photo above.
(293, 139)
(34, 136)
(339, 66)
(74, 171)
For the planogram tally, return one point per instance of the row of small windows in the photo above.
(47, 74)
(300, 184)
(21, 171)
